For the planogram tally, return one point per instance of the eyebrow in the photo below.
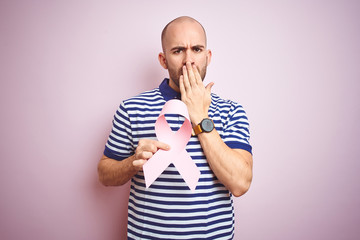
(177, 48)
(182, 48)
(198, 46)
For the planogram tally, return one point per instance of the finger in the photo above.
(152, 146)
(186, 79)
(191, 75)
(139, 163)
(143, 155)
(197, 75)
(161, 145)
(182, 87)
(185, 72)
(147, 146)
(209, 86)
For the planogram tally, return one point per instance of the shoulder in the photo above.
(145, 102)
(147, 99)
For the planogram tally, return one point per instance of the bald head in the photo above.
(176, 21)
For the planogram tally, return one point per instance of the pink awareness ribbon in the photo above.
(177, 153)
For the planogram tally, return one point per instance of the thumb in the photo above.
(209, 86)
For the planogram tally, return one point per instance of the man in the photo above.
(168, 209)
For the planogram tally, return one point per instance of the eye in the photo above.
(197, 49)
(177, 51)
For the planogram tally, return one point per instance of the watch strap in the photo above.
(197, 129)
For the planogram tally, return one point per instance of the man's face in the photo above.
(185, 42)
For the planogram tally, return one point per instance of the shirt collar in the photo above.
(167, 92)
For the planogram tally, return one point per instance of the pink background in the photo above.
(67, 65)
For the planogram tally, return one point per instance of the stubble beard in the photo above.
(175, 74)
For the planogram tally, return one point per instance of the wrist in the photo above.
(197, 120)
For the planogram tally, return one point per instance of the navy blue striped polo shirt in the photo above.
(168, 209)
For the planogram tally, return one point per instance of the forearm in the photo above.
(233, 167)
(116, 173)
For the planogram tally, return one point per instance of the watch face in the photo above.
(207, 125)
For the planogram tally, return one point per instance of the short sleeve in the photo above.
(120, 143)
(236, 131)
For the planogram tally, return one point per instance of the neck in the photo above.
(173, 85)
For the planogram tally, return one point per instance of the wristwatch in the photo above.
(206, 125)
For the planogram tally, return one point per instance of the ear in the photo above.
(208, 55)
(162, 60)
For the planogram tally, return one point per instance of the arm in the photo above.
(116, 173)
(233, 167)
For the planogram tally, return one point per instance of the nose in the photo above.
(189, 57)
